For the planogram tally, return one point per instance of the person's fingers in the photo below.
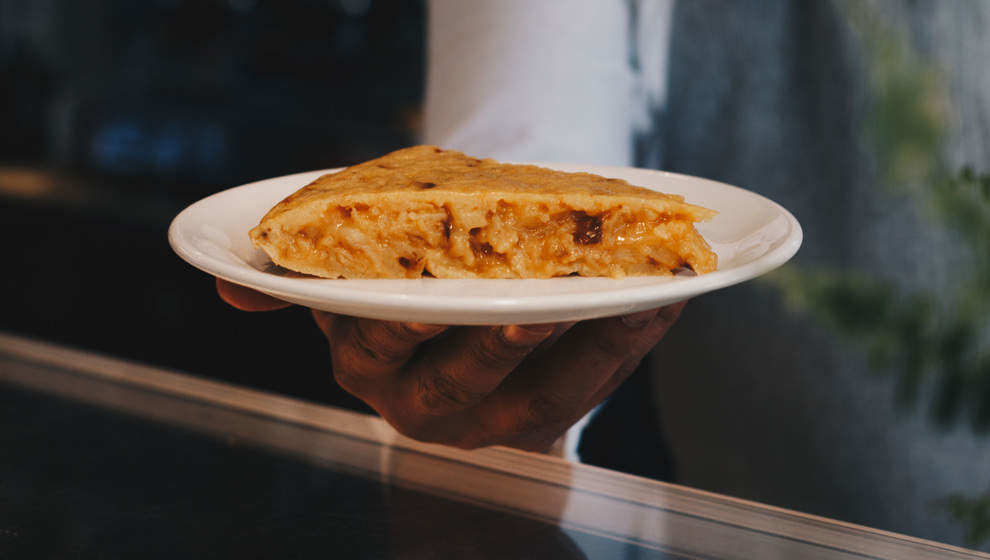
(559, 330)
(512, 385)
(546, 347)
(324, 321)
(550, 395)
(364, 351)
(247, 299)
(469, 366)
(665, 317)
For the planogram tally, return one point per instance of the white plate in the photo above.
(752, 235)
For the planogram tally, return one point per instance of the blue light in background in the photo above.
(116, 146)
(141, 145)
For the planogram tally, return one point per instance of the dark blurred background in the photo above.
(115, 115)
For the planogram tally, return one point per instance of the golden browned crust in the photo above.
(440, 212)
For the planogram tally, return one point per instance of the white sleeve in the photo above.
(534, 80)
(545, 80)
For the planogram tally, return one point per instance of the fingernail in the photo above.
(526, 334)
(670, 312)
(426, 330)
(639, 320)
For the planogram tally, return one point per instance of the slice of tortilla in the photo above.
(427, 211)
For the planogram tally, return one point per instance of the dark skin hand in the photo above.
(516, 385)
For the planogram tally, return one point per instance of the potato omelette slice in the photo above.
(427, 211)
